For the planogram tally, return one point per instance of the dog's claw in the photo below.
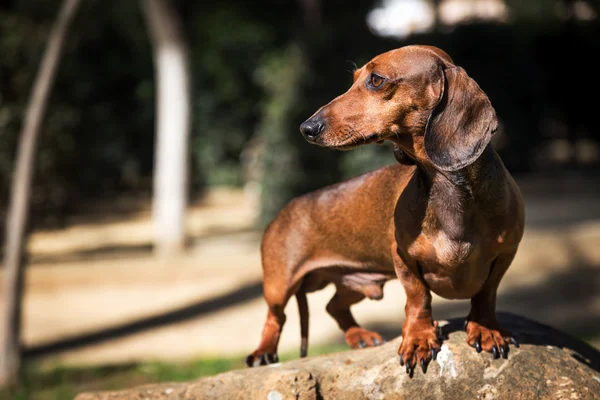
(423, 365)
(514, 341)
(253, 361)
(408, 367)
(402, 360)
(362, 344)
(434, 353)
(495, 352)
(478, 346)
(503, 352)
(376, 342)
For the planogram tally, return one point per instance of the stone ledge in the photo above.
(548, 365)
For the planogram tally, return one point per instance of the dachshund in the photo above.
(459, 217)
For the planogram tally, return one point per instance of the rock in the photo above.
(548, 365)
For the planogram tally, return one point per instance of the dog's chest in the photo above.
(452, 268)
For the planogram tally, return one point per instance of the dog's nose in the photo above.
(311, 128)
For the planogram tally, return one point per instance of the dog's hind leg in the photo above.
(339, 308)
(277, 295)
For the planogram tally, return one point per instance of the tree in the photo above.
(172, 126)
(16, 237)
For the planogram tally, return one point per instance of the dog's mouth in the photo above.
(352, 140)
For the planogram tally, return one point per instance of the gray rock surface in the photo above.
(547, 365)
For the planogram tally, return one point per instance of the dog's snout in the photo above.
(312, 128)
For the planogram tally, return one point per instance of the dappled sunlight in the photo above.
(139, 309)
(221, 211)
(143, 154)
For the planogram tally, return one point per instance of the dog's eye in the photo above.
(376, 81)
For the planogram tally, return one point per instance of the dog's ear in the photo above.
(462, 123)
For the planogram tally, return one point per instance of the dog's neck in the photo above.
(454, 197)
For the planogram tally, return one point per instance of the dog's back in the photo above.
(339, 225)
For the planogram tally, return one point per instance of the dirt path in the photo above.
(94, 294)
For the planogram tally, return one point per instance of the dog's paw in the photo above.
(489, 338)
(256, 360)
(358, 337)
(420, 344)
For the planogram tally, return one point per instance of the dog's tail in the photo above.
(303, 311)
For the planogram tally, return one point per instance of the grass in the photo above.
(63, 383)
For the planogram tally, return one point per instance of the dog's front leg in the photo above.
(483, 331)
(420, 343)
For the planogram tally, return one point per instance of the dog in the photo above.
(460, 215)
(330, 236)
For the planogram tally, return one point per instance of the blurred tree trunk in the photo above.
(14, 251)
(172, 126)
(435, 4)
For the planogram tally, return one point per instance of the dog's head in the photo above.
(415, 91)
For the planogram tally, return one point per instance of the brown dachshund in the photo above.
(459, 217)
(340, 234)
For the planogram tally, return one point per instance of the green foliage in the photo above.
(20, 43)
(281, 76)
(257, 73)
(225, 96)
(98, 125)
(365, 159)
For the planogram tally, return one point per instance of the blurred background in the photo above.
(118, 292)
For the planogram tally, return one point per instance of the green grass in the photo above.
(58, 383)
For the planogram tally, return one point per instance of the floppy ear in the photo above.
(462, 124)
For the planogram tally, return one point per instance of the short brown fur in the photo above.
(459, 217)
(338, 235)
